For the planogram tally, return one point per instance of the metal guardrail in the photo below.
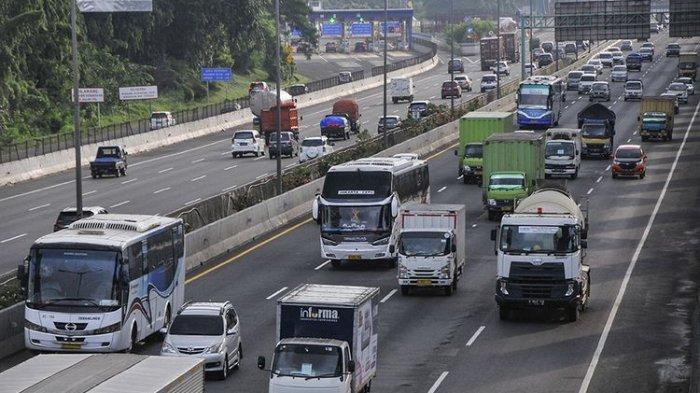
(53, 143)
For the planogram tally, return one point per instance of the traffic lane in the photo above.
(662, 292)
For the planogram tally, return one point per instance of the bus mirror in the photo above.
(22, 276)
(394, 207)
(454, 247)
(493, 235)
(351, 366)
(584, 243)
(392, 249)
(314, 210)
(261, 362)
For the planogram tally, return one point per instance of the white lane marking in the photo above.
(199, 178)
(258, 158)
(261, 176)
(390, 294)
(629, 140)
(229, 188)
(199, 160)
(290, 165)
(230, 167)
(460, 177)
(161, 190)
(432, 97)
(37, 190)
(120, 204)
(437, 383)
(166, 170)
(475, 335)
(276, 293)
(227, 152)
(193, 201)
(590, 190)
(319, 267)
(39, 207)
(13, 238)
(442, 189)
(473, 225)
(129, 181)
(89, 192)
(625, 281)
(599, 179)
(607, 168)
(634, 133)
(178, 153)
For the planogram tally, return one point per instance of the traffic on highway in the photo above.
(550, 246)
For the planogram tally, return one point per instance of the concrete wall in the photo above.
(11, 329)
(33, 167)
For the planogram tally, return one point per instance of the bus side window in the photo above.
(135, 261)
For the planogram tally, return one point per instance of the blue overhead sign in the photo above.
(332, 30)
(296, 33)
(361, 30)
(216, 74)
(394, 29)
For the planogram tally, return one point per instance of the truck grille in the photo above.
(537, 281)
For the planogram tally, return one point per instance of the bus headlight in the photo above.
(33, 326)
(108, 329)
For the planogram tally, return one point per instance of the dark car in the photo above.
(298, 89)
(360, 47)
(331, 47)
(626, 46)
(392, 122)
(418, 109)
(647, 54)
(69, 215)
(599, 91)
(544, 60)
(634, 62)
(673, 49)
(450, 89)
(570, 48)
(548, 46)
(455, 65)
(581, 45)
(289, 145)
(110, 160)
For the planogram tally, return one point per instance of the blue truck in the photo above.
(335, 126)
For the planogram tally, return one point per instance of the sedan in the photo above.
(450, 89)
(464, 82)
(391, 121)
(629, 160)
(626, 46)
(647, 54)
(619, 74)
(689, 83)
(597, 64)
(680, 90)
(599, 91)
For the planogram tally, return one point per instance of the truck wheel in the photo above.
(492, 215)
(116, 173)
(405, 290)
(448, 290)
(394, 100)
(503, 313)
(94, 175)
(123, 171)
(257, 154)
(573, 313)
(272, 156)
(335, 263)
(642, 175)
(575, 175)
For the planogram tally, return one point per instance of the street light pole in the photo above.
(279, 104)
(498, 58)
(386, 34)
(76, 115)
(529, 44)
(452, 57)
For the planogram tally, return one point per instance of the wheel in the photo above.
(642, 175)
(233, 155)
(94, 175)
(224, 370)
(405, 290)
(465, 179)
(614, 175)
(575, 175)
(448, 290)
(272, 156)
(335, 263)
(240, 356)
(133, 339)
(257, 154)
(168, 318)
(645, 138)
(122, 171)
(503, 313)
(117, 173)
(394, 100)
(492, 215)
(573, 313)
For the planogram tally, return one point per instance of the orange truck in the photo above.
(263, 105)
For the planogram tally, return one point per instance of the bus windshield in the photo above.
(344, 219)
(534, 97)
(73, 277)
(357, 185)
(539, 239)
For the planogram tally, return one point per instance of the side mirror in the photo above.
(392, 249)
(261, 362)
(493, 235)
(454, 247)
(456, 152)
(22, 276)
(584, 243)
(351, 366)
(332, 143)
(394, 207)
(315, 206)
(301, 118)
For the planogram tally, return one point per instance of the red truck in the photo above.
(263, 105)
(489, 52)
(511, 47)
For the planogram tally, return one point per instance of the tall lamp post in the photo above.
(77, 139)
(386, 31)
(452, 57)
(279, 87)
(498, 58)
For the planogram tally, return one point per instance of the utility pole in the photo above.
(76, 115)
(386, 34)
(452, 57)
(498, 58)
(279, 106)
(529, 44)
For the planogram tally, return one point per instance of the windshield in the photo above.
(73, 277)
(197, 325)
(593, 130)
(513, 181)
(426, 244)
(633, 86)
(300, 360)
(645, 50)
(587, 67)
(357, 185)
(588, 78)
(344, 219)
(559, 149)
(620, 68)
(594, 62)
(474, 151)
(628, 153)
(539, 239)
(390, 121)
(674, 46)
(677, 86)
(534, 96)
(575, 75)
(107, 152)
(68, 217)
(605, 56)
(312, 142)
(599, 87)
(283, 136)
(421, 106)
(243, 135)
(159, 115)
(488, 79)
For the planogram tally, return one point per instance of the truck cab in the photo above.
(109, 160)
(473, 162)
(656, 118)
(504, 188)
(597, 124)
(562, 153)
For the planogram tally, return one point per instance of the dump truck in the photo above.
(263, 104)
(327, 338)
(105, 373)
(474, 128)
(540, 250)
(656, 115)
(351, 110)
(513, 163)
(597, 124)
(489, 52)
(511, 46)
(688, 64)
(431, 246)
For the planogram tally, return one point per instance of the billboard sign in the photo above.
(361, 29)
(90, 95)
(394, 29)
(115, 5)
(138, 93)
(601, 20)
(332, 30)
(683, 18)
(216, 75)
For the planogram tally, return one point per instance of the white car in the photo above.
(464, 82)
(689, 83)
(619, 73)
(585, 83)
(206, 330)
(597, 64)
(314, 147)
(530, 69)
(675, 100)
(618, 56)
(247, 142)
(488, 82)
(606, 58)
(162, 120)
(634, 90)
(502, 67)
(680, 90)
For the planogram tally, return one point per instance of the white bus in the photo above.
(103, 284)
(360, 201)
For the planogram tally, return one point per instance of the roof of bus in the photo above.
(114, 230)
(388, 164)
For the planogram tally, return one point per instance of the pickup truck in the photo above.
(110, 160)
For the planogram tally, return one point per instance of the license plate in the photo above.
(506, 208)
(354, 257)
(535, 302)
(423, 282)
(558, 170)
(71, 346)
(243, 143)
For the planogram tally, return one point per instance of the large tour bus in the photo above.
(103, 284)
(540, 100)
(359, 202)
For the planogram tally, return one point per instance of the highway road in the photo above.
(165, 179)
(635, 337)
(326, 65)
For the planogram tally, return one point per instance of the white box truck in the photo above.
(401, 89)
(431, 246)
(562, 152)
(327, 340)
(105, 373)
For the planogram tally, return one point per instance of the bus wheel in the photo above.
(335, 263)
(132, 339)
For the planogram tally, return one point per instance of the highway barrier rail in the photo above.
(89, 135)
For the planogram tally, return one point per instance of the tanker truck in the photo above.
(263, 105)
(540, 250)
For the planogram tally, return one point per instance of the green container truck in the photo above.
(656, 116)
(474, 128)
(513, 163)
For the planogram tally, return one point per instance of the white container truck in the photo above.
(265, 100)
(105, 373)
(327, 340)
(401, 89)
(562, 152)
(540, 250)
(431, 246)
